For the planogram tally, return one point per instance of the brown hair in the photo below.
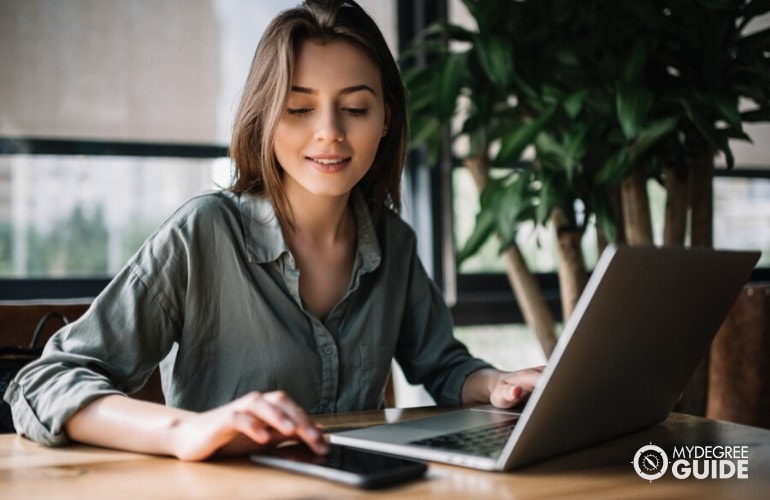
(268, 85)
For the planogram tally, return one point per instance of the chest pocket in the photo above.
(375, 369)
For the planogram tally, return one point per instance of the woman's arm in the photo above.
(502, 389)
(247, 424)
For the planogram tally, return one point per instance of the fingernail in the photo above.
(289, 424)
(313, 433)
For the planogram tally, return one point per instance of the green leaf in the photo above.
(512, 145)
(424, 130)
(613, 169)
(650, 135)
(633, 105)
(573, 104)
(728, 109)
(550, 197)
(574, 149)
(496, 59)
(447, 85)
(486, 219)
(605, 217)
(546, 144)
(712, 135)
(514, 205)
(636, 62)
(482, 231)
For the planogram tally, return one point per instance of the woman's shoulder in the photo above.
(394, 222)
(394, 230)
(207, 210)
(206, 205)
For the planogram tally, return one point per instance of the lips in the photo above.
(328, 163)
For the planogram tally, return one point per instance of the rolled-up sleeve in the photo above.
(112, 349)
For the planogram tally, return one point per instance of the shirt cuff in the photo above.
(26, 422)
(453, 392)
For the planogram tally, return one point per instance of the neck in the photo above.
(321, 219)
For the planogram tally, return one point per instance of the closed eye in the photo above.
(356, 112)
(298, 111)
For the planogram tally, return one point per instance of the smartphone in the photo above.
(363, 469)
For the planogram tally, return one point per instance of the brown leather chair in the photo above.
(18, 320)
(739, 368)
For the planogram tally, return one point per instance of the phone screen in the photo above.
(364, 469)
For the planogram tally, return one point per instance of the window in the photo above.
(114, 114)
(69, 216)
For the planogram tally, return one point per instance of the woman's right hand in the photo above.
(248, 424)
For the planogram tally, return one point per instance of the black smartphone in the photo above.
(363, 469)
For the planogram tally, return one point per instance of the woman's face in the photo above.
(328, 134)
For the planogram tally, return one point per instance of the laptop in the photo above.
(643, 323)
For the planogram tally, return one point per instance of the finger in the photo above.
(527, 379)
(250, 425)
(304, 427)
(289, 408)
(505, 395)
(271, 412)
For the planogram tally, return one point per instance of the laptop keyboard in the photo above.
(487, 440)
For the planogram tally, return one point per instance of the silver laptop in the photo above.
(644, 322)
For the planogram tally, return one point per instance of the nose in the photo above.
(330, 127)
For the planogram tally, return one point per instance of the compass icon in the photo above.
(650, 462)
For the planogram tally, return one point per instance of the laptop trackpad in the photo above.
(458, 421)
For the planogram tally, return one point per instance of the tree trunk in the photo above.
(636, 209)
(616, 203)
(479, 170)
(695, 397)
(530, 298)
(702, 200)
(677, 204)
(572, 270)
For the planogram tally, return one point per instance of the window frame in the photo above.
(86, 287)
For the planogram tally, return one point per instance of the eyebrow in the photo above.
(346, 90)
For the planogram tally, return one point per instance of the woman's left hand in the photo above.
(502, 389)
(513, 387)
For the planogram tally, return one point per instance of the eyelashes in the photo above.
(354, 112)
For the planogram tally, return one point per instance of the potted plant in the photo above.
(606, 95)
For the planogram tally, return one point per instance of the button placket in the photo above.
(329, 367)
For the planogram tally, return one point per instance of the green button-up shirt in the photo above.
(213, 297)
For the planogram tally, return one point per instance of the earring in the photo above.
(385, 131)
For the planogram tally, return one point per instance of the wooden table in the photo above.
(603, 471)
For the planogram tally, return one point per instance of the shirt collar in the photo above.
(265, 241)
(262, 232)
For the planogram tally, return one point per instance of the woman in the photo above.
(286, 295)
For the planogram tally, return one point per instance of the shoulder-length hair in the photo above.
(268, 86)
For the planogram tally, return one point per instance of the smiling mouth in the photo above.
(329, 165)
(328, 162)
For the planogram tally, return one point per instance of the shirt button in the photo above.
(329, 350)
